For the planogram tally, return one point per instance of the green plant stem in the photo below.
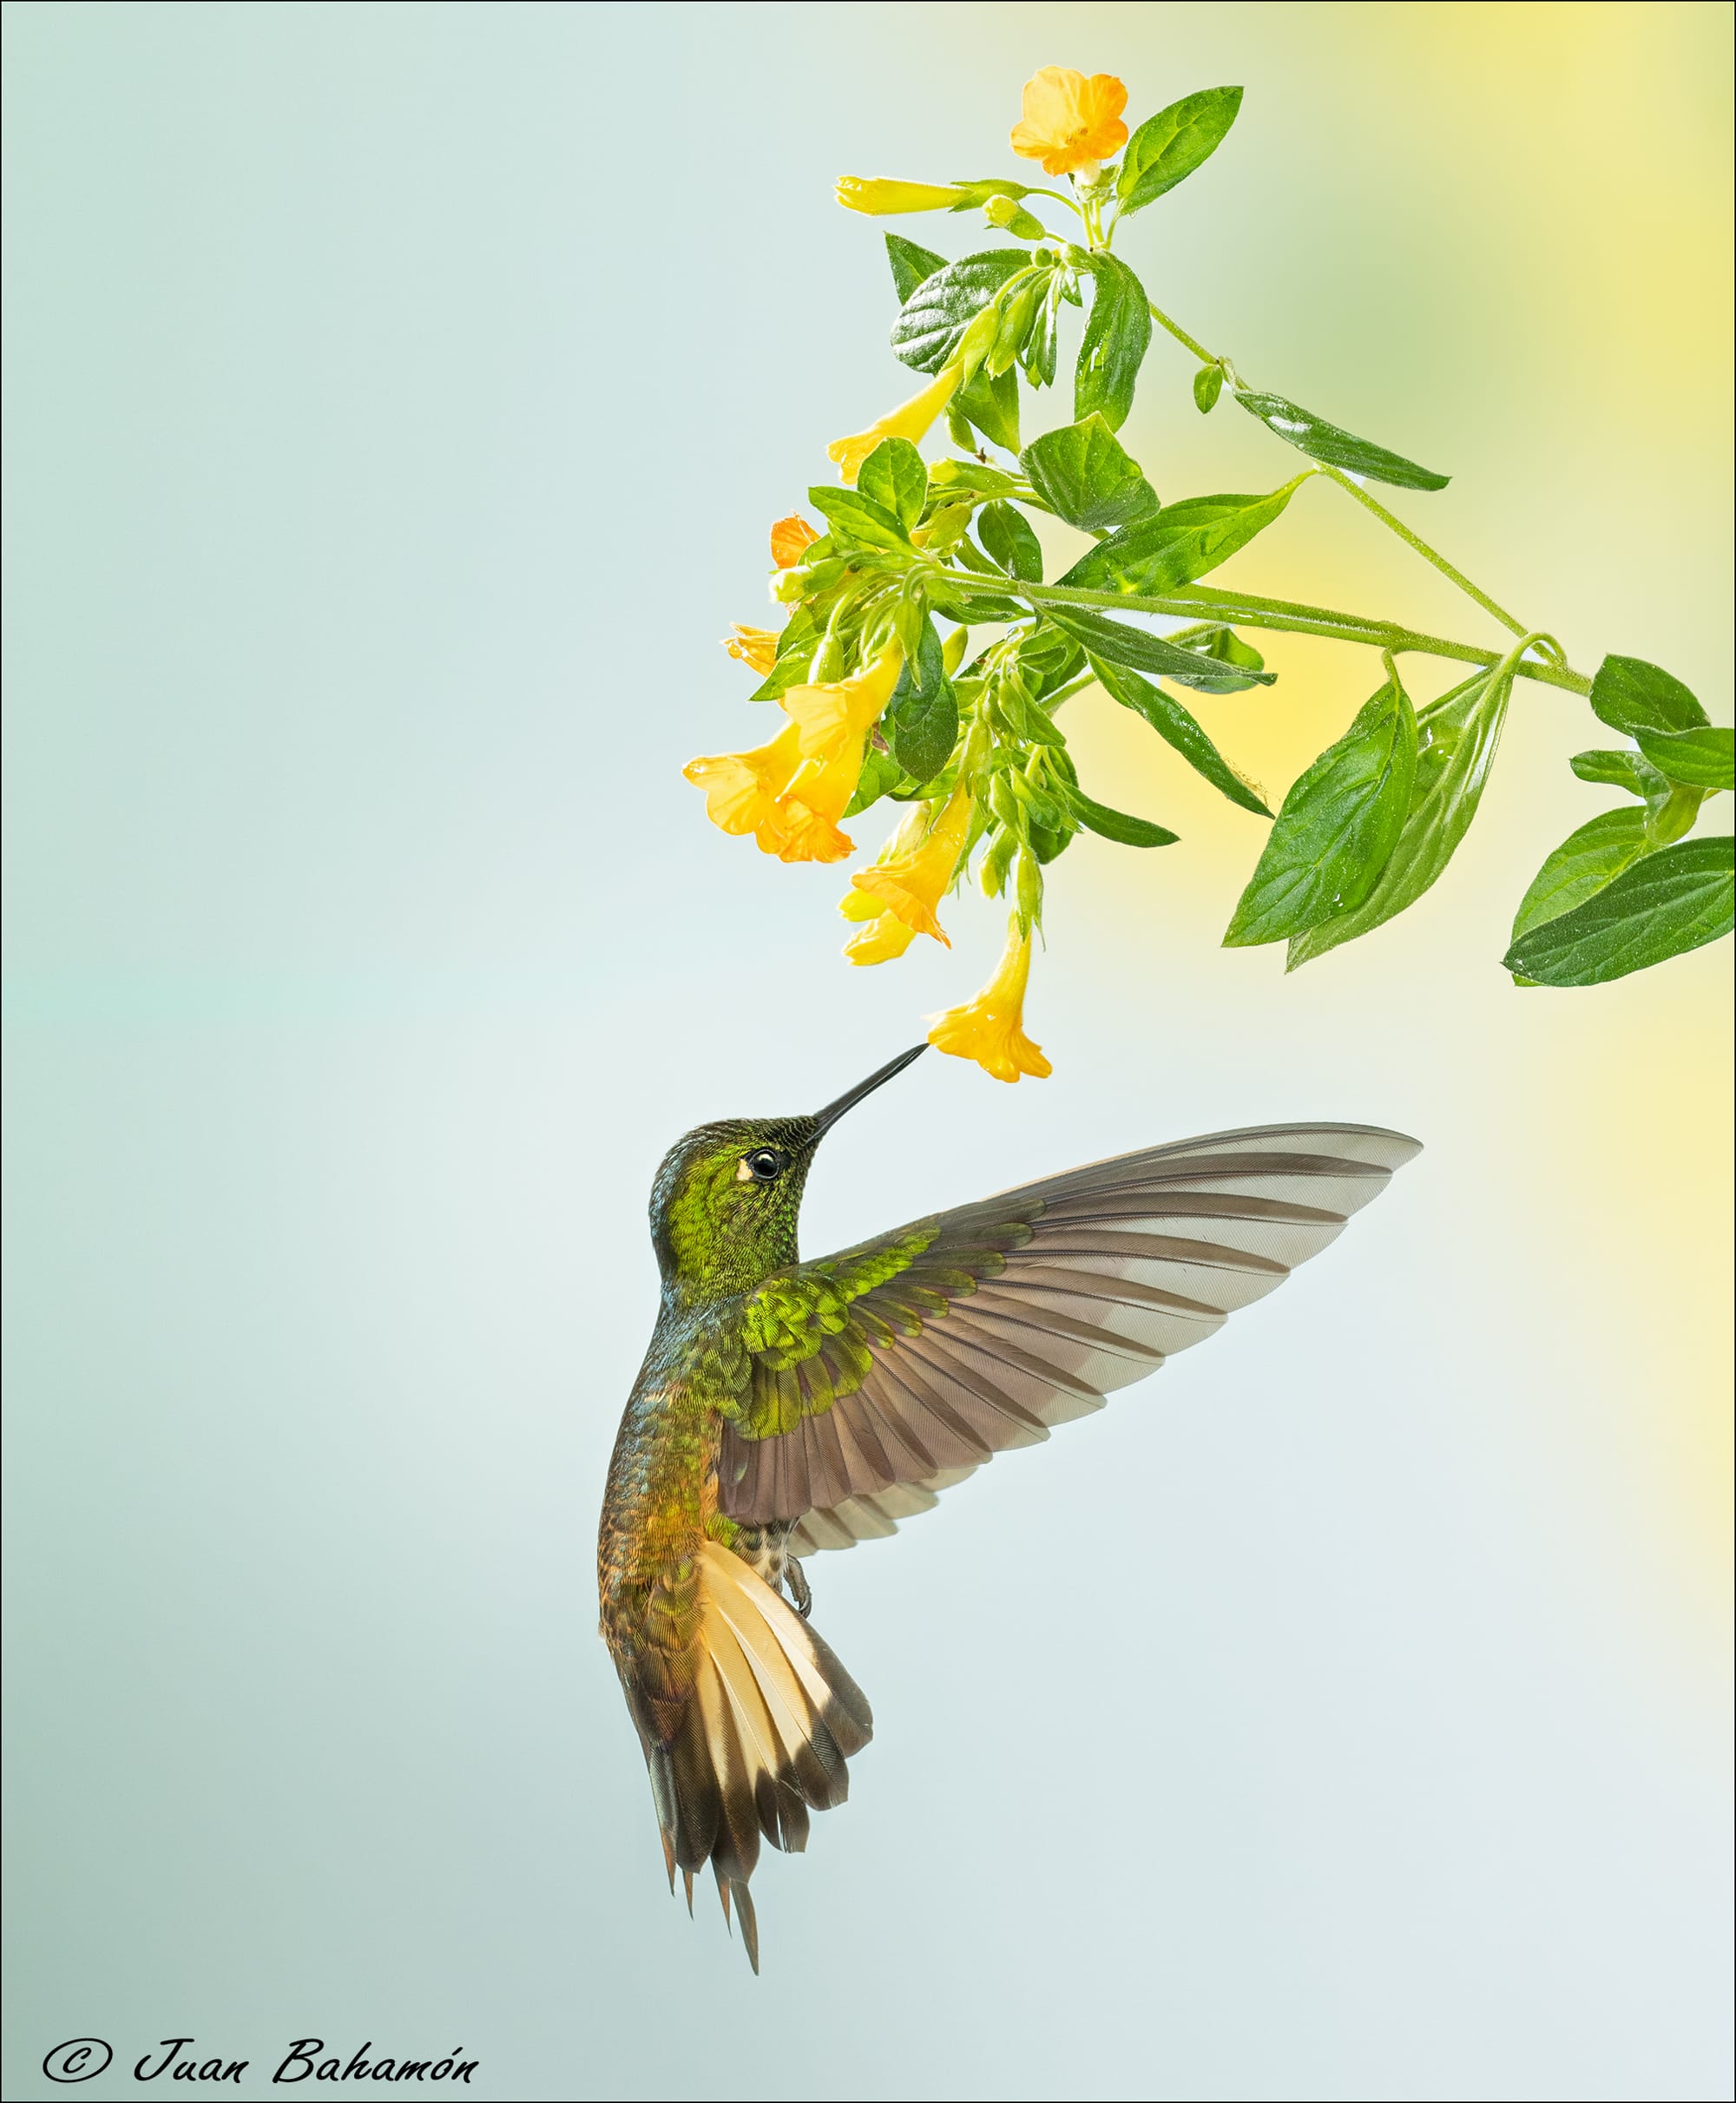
(1422, 547)
(1368, 504)
(1181, 335)
(1244, 609)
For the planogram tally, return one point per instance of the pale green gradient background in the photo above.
(399, 395)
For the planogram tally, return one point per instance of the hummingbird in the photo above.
(787, 1408)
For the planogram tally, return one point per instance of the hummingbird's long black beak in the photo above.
(826, 1118)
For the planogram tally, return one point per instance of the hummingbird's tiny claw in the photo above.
(801, 1594)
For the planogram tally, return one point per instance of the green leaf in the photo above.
(932, 321)
(1341, 448)
(1117, 331)
(1085, 476)
(1700, 759)
(1580, 867)
(1623, 769)
(894, 477)
(1208, 385)
(1339, 825)
(1121, 825)
(1631, 695)
(1660, 906)
(911, 264)
(1119, 644)
(992, 405)
(1167, 148)
(921, 722)
(880, 775)
(951, 478)
(1181, 543)
(1177, 726)
(1007, 535)
(857, 519)
(1211, 639)
(1457, 743)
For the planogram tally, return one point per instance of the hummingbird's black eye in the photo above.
(764, 1164)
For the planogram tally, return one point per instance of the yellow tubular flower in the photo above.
(910, 885)
(991, 1029)
(831, 721)
(742, 789)
(1069, 122)
(908, 420)
(789, 536)
(757, 648)
(883, 935)
(879, 941)
(872, 194)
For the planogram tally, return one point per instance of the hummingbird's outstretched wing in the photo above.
(892, 1370)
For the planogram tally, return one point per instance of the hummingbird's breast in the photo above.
(661, 1492)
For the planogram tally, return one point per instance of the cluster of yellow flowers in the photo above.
(790, 793)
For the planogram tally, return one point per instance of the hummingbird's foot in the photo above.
(801, 1595)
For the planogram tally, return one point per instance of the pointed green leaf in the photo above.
(1117, 643)
(1580, 867)
(1120, 825)
(1117, 331)
(911, 263)
(1211, 639)
(1700, 759)
(1339, 825)
(1660, 906)
(894, 477)
(1181, 543)
(1208, 385)
(857, 519)
(1179, 727)
(1341, 448)
(1458, 737)
(992, 405)
(932, 321)
(880, 774)
(921, 722)
(1085, 476)
(1631, 695)
(1621, 770)
(1167, 148)
(1006, 534)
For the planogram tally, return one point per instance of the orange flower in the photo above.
(909, 880)
(741, 789)
(789, 536)
(757, 648)
(991, 1029)
(1071, 124)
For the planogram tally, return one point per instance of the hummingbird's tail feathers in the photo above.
(770, 1720)
(898, 1367)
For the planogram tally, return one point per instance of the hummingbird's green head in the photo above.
(725, 1204)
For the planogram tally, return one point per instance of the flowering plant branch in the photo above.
(875, 704)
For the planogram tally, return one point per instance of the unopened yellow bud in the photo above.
(875, 194)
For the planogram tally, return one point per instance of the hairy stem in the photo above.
(1422, 547)
(1345, 482)
(1244, 609)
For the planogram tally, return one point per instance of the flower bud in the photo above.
(1008, 212)
(880, 197)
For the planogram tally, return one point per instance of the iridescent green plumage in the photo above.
(785, 1408)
